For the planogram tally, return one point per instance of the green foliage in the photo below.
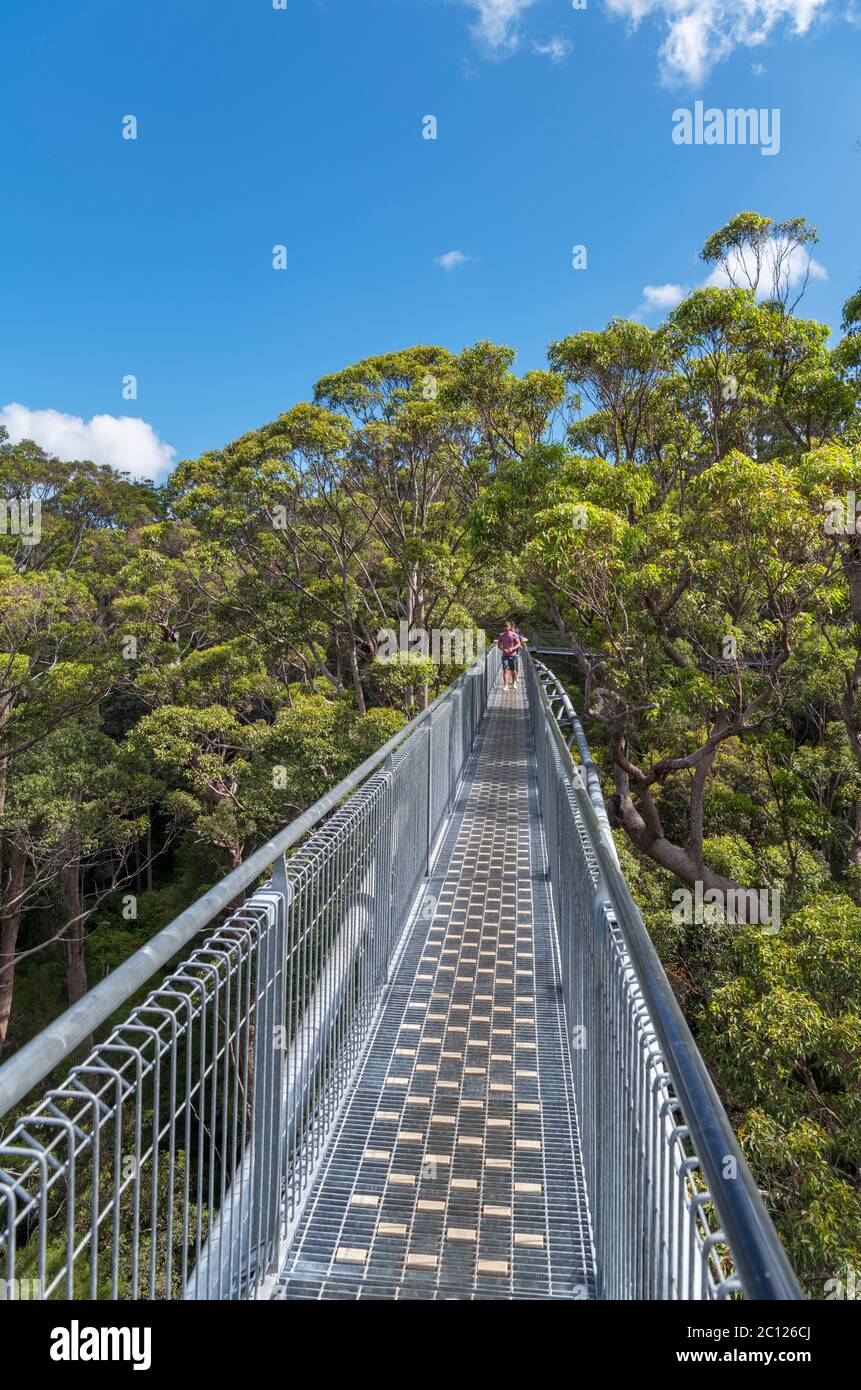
(401, 677)
(784, 1039)
(185, 670)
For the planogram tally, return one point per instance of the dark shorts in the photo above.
(509, 661)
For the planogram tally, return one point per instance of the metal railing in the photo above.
(676, 1211)
(174, 1160)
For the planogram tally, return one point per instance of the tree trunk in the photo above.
(357, 680)
(234, 859)
(687, 866)
(642, 823)
(73, 939)
(10, 922)
(855, 854)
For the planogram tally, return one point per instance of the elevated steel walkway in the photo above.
(432, 1056)
(455, 1169)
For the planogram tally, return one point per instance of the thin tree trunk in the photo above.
(10, 922)
(855, 854)
(357, 680)
(73, 939)
(234, 859)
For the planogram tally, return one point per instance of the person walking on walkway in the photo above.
(509, 644)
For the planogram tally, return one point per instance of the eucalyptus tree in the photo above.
(782, 1036)
(60, 654)
(770, 259)
(234, 744)
(847, 354)
(346, 516)
(293, 565)
(683, 620)
(232, 783)
(830, 478)
(415, 464)
(80, 810)
(617, 375)
(510, 414)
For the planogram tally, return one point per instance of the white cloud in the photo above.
(759, 70)
(792, 266)
(661, 297)
(498, 23)
(555, 49)
(498, 28)
(452, 260)
(699, 33)
(126, 443)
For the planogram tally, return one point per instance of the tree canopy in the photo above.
(186, 668)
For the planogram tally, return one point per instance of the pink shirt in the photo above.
(508, 641)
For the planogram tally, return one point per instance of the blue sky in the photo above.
(303, 127)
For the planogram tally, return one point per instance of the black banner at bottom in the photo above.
(60, 1340)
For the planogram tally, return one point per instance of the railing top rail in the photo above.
(38, 1058)
(760, 1259)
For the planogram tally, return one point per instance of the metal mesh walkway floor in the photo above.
(454, 1171)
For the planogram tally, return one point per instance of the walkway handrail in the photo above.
(38, 1058)
(174, 1159)
(756, 1253)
